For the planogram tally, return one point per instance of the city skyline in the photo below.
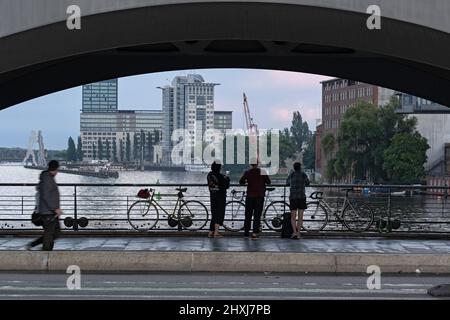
(273, 97)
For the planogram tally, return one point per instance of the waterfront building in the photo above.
(188, 103)
(117, 129)
(433, 123)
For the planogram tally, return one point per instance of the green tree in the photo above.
(299, 131)
(71, 150)
(128, 148)
(108, 150)
(114, 151)
(366, 131)
(328, 144)
(157, 135)
(287, 146)
(121, 151)
(135, 147)
(404, 159)
(100, 150)
(149, 147)
(143, 144)
(309, 157)
(80, 154)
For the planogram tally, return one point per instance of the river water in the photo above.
(99, 203)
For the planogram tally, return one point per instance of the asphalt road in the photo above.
(215, 286)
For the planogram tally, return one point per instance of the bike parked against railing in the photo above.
(355, 216)
(272, 215)
(143, 215)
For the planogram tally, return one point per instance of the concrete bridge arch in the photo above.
(39, 55)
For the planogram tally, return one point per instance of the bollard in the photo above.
(75, 213)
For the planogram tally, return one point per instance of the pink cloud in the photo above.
(285, 79)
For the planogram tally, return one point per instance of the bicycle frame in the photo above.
(338, 212)
(178, 204)
(267, 198)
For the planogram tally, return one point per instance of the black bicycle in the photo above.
(272, 215)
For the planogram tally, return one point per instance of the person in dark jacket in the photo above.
(256, 181)
(49, 207)
(297, 181)
(218, 185)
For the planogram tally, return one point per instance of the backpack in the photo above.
(286, 228)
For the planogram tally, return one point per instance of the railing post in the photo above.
(180, 228)
(22, 205)
(75, 209)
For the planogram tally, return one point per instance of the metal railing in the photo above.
(103, 207)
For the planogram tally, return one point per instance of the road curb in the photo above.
(141, 261)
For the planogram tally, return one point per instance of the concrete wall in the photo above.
(20, 15)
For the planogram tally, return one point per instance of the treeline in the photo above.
(134, 147)
(18, 154)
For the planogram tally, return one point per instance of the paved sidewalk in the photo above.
(267, 254)
(235, 244)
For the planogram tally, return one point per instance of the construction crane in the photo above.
(251, 126)
(252, 132)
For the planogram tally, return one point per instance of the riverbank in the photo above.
(85, 173)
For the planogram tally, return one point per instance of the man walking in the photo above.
(256, 189)
(297, 181)
(49, 207)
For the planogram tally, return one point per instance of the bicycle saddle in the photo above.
(270, 189)
(347, 189)
(181, 189)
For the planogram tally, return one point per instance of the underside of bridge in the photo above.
(402, 56)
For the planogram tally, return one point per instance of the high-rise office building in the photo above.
(188, 103)
(100, 96)
(223, 120)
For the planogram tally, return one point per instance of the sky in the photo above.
(272, 96)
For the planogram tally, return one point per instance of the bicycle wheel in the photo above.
(357, 217)
(234, 216)
(315, 217)
(193, 215)
(274, 213)
(143, 215)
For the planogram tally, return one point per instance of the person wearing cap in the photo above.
(49, 207)
(218, 185)
(256, 181)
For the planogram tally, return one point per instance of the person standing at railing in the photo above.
(297, 181)
(256, 181)
(218, 185)
(49, 207)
